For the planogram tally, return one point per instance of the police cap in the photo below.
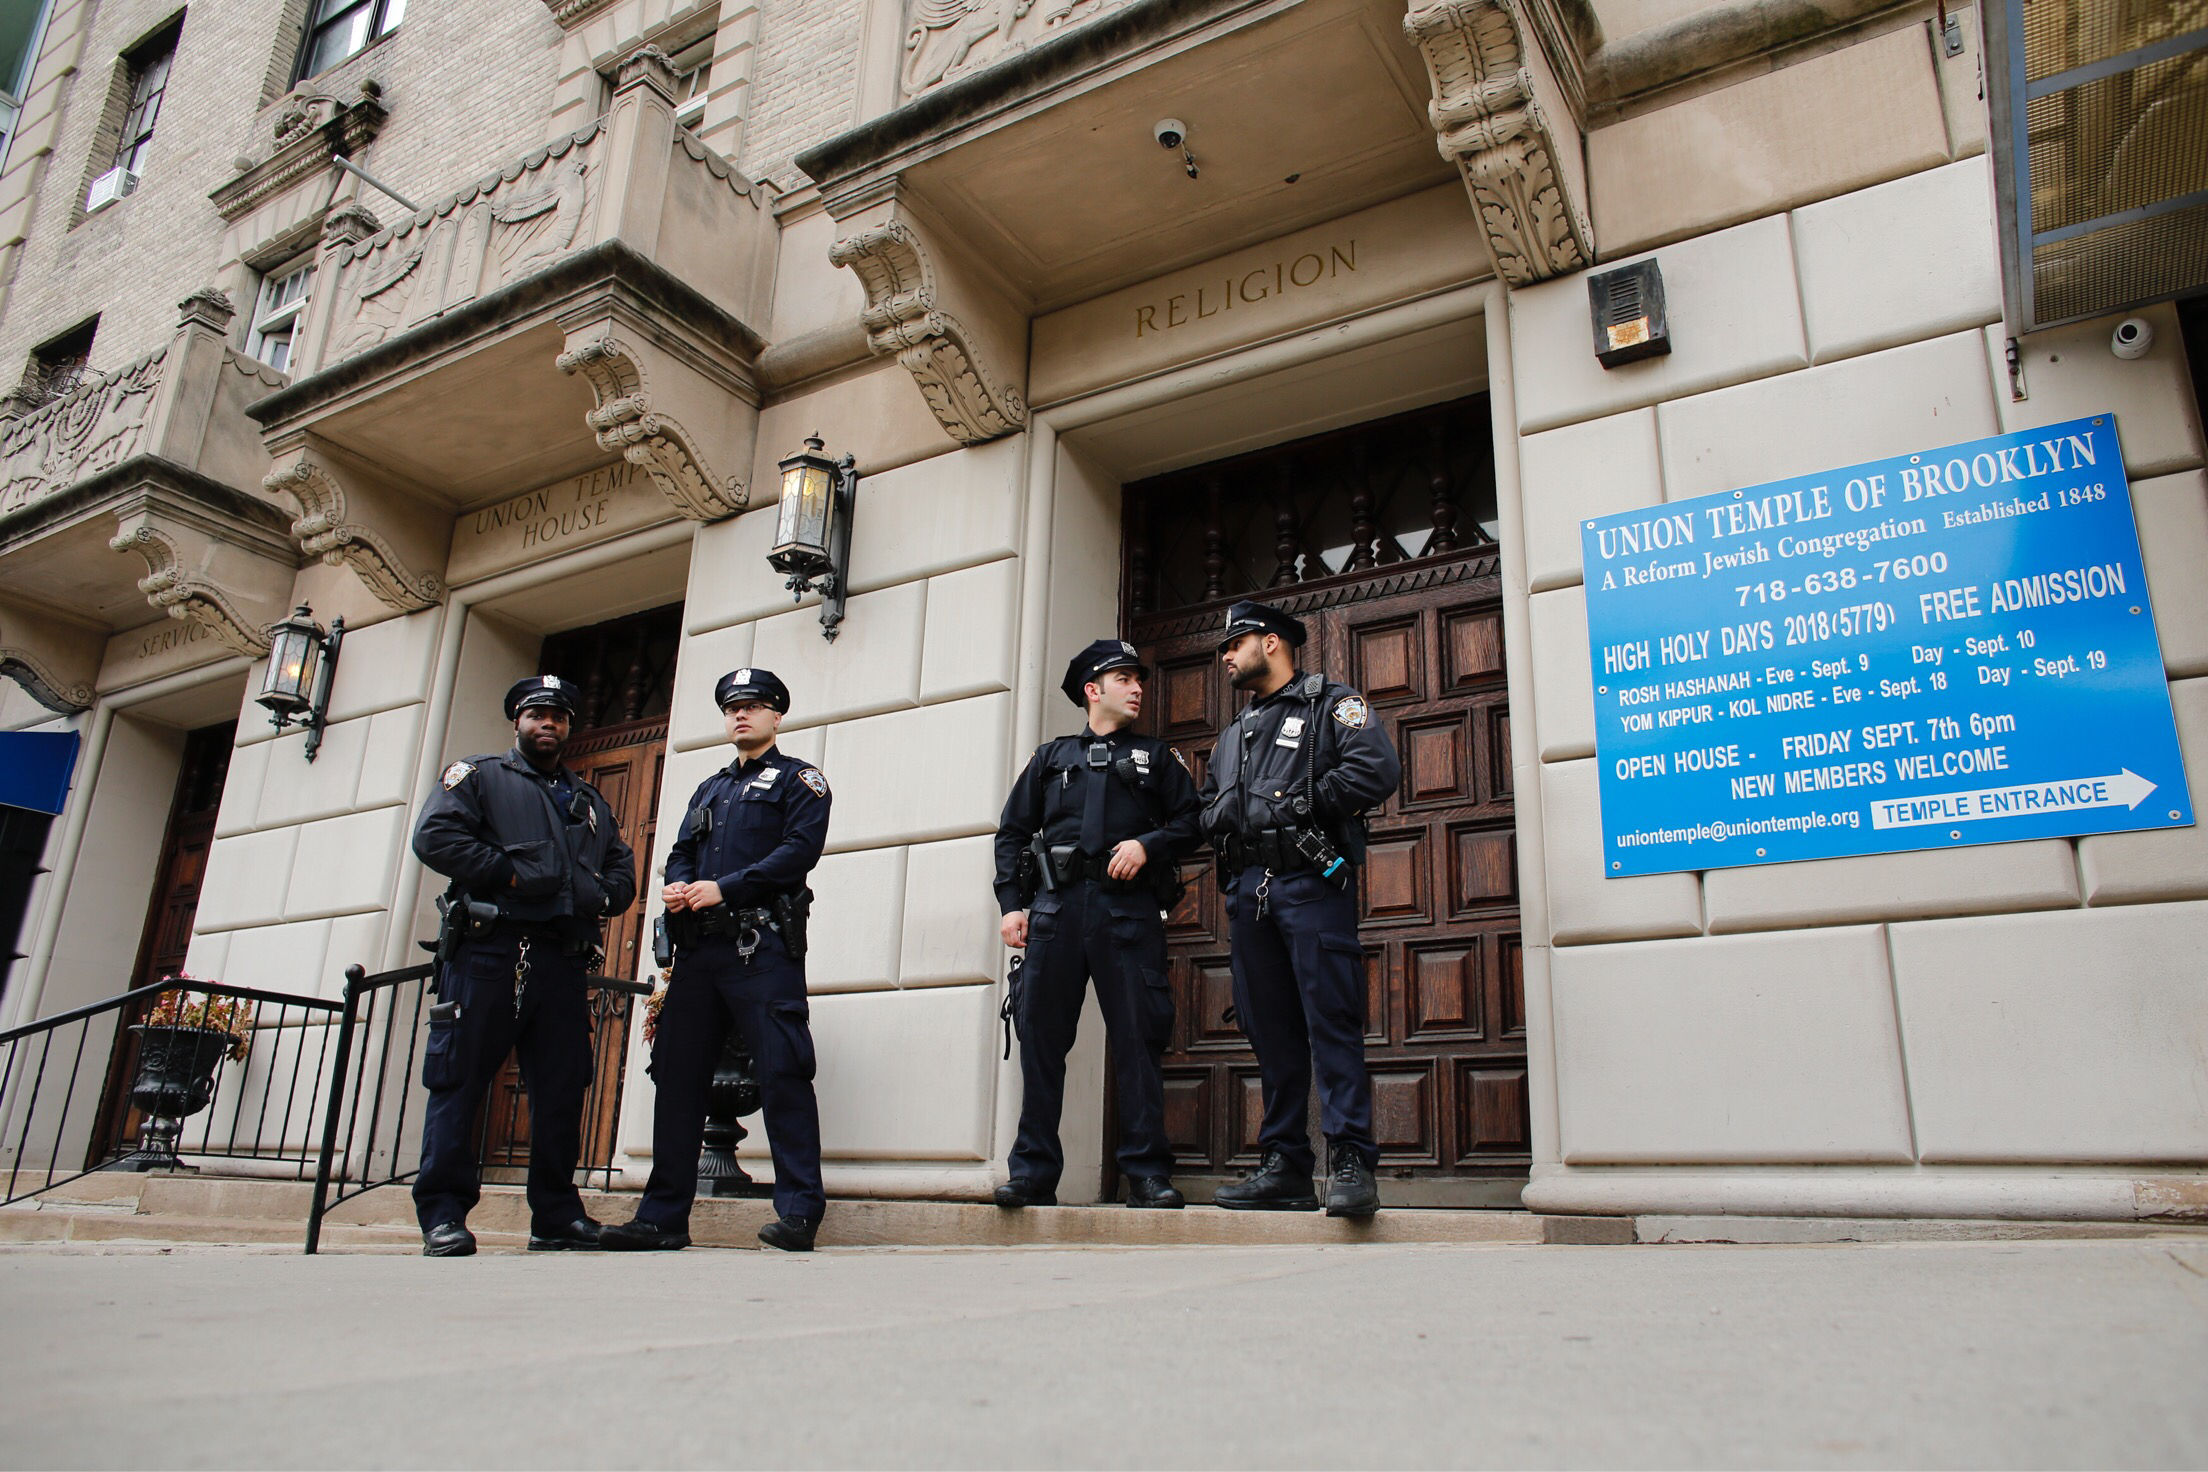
(542, 690)
(1091, 663)
(751, 684)
(1248, 617)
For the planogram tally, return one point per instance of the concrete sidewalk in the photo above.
(1972, 1354)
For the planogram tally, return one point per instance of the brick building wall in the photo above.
(805, 82)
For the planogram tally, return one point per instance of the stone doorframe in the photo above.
(1036, 684)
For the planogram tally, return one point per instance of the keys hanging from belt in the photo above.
(521, 974)
(1264, 893)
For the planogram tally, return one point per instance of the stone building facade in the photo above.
(619, 257)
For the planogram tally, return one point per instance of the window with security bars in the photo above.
(338, 28)
(1361, 501)
(276, 316)
(2100, 132)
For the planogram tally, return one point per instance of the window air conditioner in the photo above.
(109, 187)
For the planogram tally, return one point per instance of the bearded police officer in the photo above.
(1086, 858)
(1283, 800)
(737, 904)
(537, 863)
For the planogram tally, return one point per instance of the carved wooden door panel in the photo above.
(1438, 896)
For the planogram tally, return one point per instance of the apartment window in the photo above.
(58, 365)
(338, 28)
(149, 78)
(693, 66)
(20, 29)
(276, 316)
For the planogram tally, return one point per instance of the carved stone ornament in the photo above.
(568, 14)
(626, 421)
(323, 531)
(902, 318)
(57, 694)
(1491, 128)
(175, 589)
(947, 39)
(310, 129)
(95, 425)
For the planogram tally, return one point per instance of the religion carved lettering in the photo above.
(1260, 284)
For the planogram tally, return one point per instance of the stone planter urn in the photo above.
(176, 1079)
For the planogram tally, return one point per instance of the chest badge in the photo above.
(1142, 758)
(811, 777)
(456, 774)
(1291, 726)
(1351, 712)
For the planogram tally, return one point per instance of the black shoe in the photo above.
(790, 1233)
(1274, 1186)
(1154, 1191)
(579, 1235)
(1351, 1191)
(642, 1237)
(1016, 1193)
(448, 1239)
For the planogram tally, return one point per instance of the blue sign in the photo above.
(1934, 650)
(35, 768)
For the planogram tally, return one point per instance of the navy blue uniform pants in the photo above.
(1299, 989)
(711, 990)
(551, 1033)
(1117, 939)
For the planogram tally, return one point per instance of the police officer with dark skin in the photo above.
(1109, 812)
(1283, 801)
(735, 895)
(537, 863)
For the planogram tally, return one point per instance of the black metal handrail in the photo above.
(365, 1143)
(38, 1150)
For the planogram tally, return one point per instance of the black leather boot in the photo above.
(1154, 1191)
(642, 1237)
(1350, 1188)
(579, 1235)
(448, 1239)
(1274, 1186)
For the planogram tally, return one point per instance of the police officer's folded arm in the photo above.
(1365, 775)
(618, 876)
(1184, 819)
(448, 840)
(804, 835)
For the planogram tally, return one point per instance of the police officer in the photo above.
(736, 902)
(1097, 820)
(536, 863)
(1283, 801)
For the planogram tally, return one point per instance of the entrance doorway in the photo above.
(185, 843)
(626, 670)
(1381, 539)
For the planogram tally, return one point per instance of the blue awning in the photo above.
(35, 767)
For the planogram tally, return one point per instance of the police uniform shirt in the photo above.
(1258, 768)
(539, 845)
(755, 827)
(1148, 796)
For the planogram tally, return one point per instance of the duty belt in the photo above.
(1267, 848)
(1071, 866)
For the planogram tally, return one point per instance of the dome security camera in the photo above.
(2132, 338)
(1170, 132)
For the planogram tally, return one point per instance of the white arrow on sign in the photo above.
(2126, 789)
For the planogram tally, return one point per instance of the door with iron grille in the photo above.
(1380, 539)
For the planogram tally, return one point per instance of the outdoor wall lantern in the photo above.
(812, 534)
(302, 661)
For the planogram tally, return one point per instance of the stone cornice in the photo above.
(568, 14)
(904, 320)
(305, 146)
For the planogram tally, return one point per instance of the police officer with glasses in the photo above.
(1086, 857)
(736, 910)
(537, 863)
(1284, 802)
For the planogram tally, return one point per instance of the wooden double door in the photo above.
(1438, 896)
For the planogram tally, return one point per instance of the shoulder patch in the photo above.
(1181, 759)
(1350, 711)
(811, 777)
(456, 774)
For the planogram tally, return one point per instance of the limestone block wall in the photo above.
(909, 713)
(2037, 1006)
(305, 862)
